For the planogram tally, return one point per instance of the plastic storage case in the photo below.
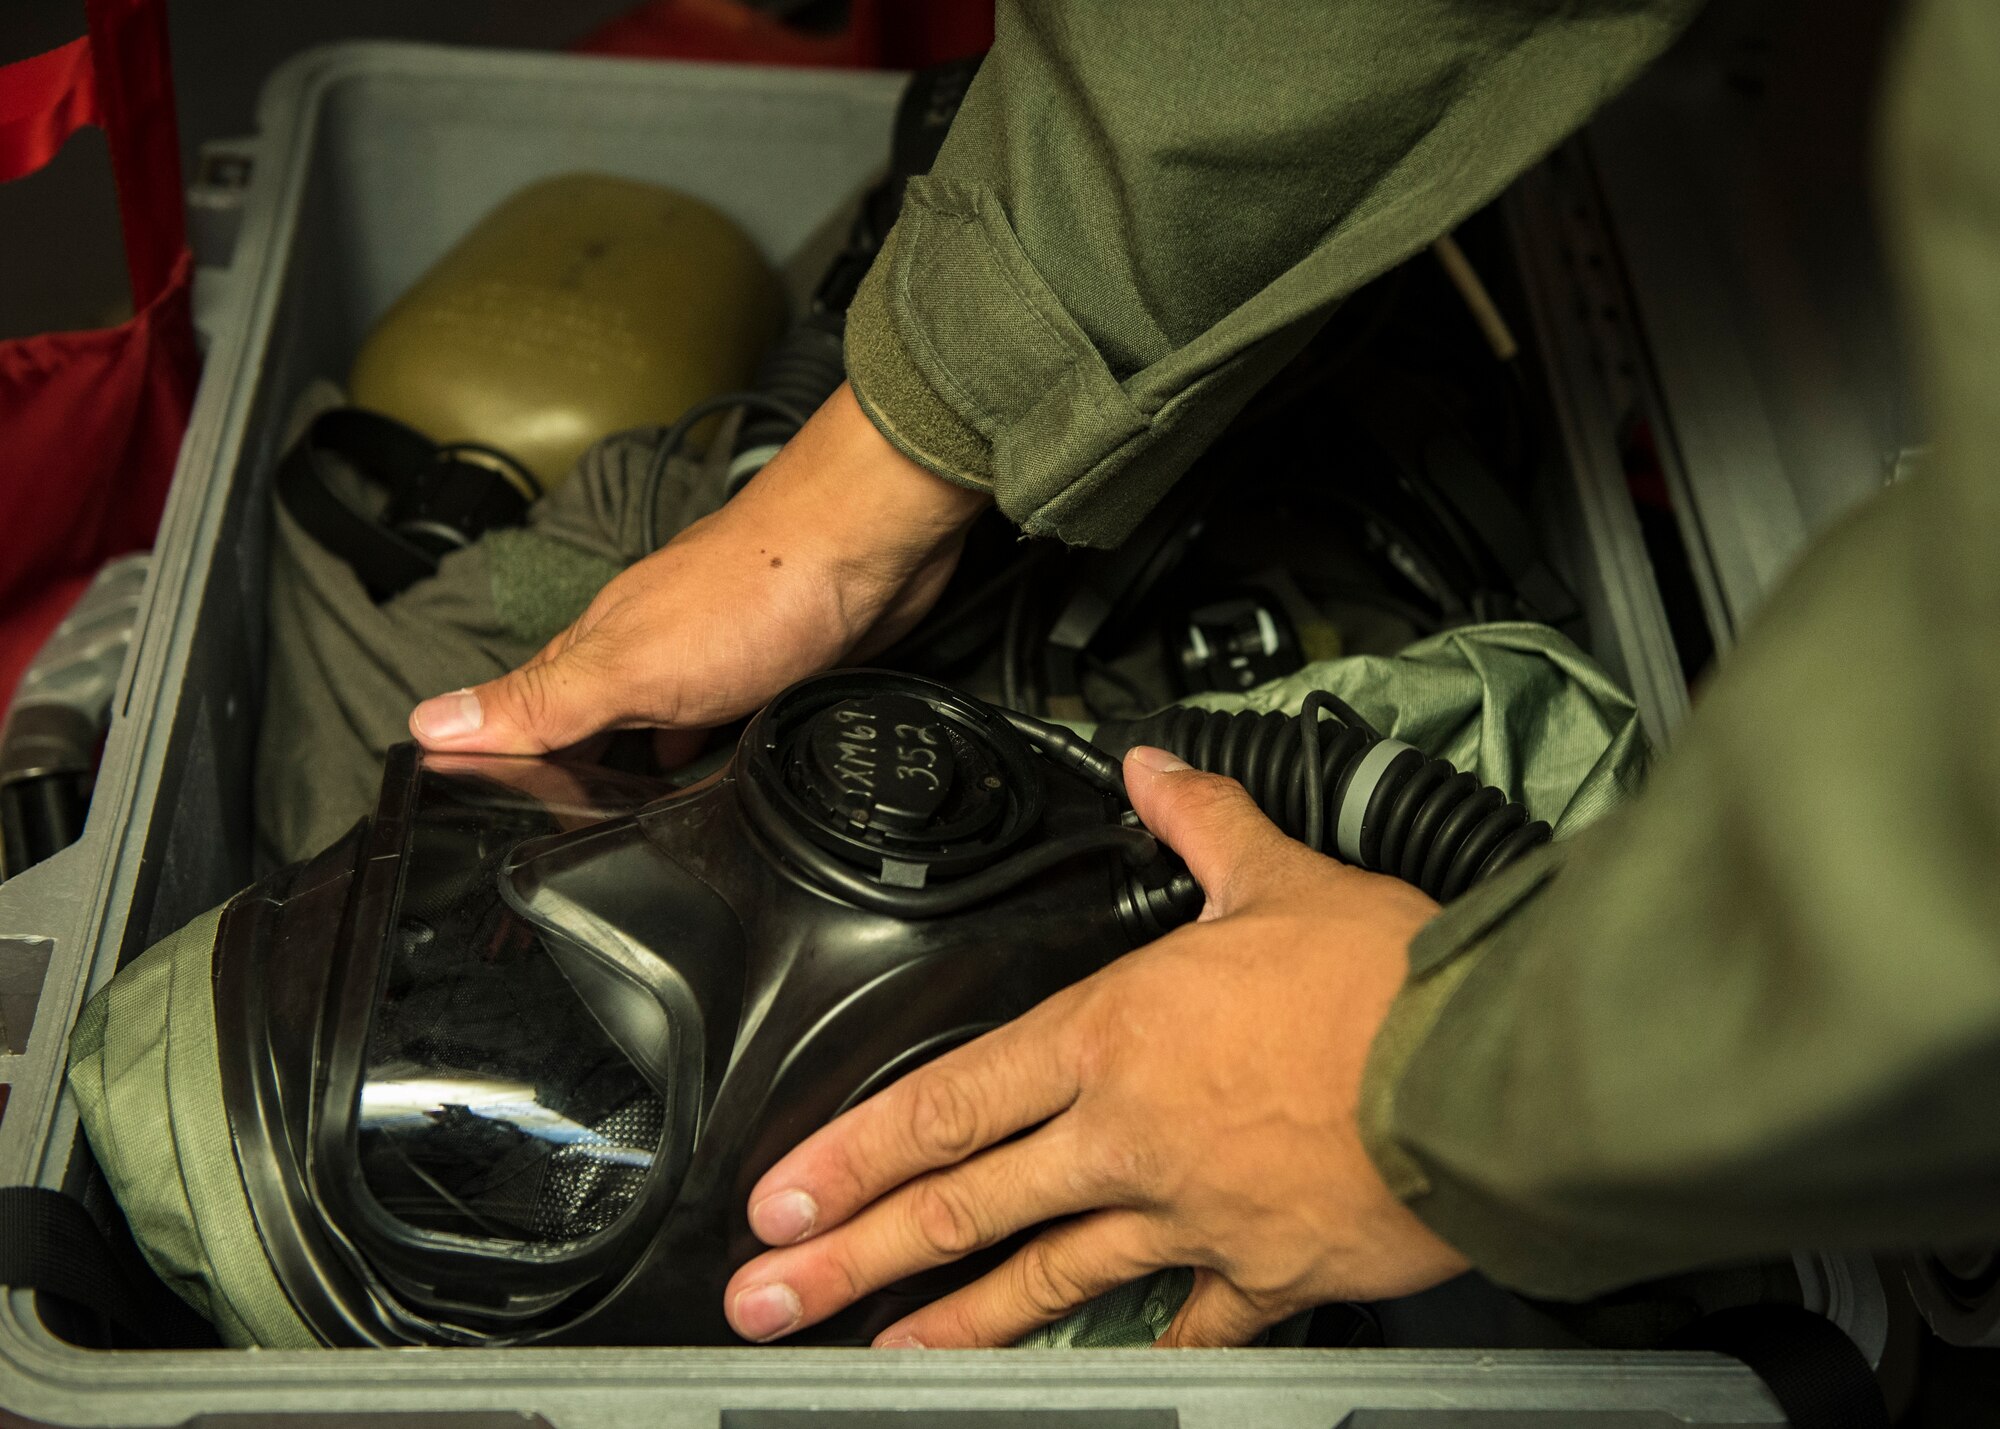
(370, 160)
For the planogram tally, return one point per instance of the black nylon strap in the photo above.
(49, 1243)
(438, 498)
(391, 454)
(1817, 1375)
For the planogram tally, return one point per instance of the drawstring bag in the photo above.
(91, 422)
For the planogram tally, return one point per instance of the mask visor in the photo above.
(489, 1137)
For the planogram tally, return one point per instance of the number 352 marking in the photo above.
(922, 749)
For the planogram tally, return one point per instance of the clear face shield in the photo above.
(494, 1107)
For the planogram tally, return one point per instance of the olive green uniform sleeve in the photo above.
(1760, 1008)
(1146, 207)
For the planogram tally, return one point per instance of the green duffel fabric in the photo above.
(1519, 705)
(1130, 1317)
(144, 1070)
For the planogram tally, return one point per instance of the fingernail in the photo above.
(902, 1342)
(1157, 760)
(785, 1217)
(766, 1312)
(450, 716)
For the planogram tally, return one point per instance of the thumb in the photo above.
(550, 703)
(1224, 838)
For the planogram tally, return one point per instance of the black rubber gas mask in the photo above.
(503, 1065)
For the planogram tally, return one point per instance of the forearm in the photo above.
(863, 507)
(1144, 209)
(1761, 1009)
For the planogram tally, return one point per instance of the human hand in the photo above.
(830, 553)
(1193, 1104)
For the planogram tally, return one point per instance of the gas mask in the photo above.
(503, 1065)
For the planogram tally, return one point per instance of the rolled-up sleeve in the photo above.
(1145, 208)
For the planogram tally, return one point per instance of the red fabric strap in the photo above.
(116, 77)
(135, 92)
(90, 422)
(43, 101)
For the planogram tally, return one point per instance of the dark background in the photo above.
(60, 261)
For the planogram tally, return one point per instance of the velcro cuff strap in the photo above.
(993, 341)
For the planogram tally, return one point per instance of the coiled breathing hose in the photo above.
(1339, 786)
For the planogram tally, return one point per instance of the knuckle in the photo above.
(944, 1115)
(1217, 794)
(845, 1176)
(1126, 1164)
(1197, 795)
(1227, 786)
(531, 691)
(1046, 1281)
(845, 1279)
(1265, 1284)
(1097, 1033)
(1217, 811)
(946, 1221)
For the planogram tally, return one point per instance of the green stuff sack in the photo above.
(1515, 703)
(144, 1070)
